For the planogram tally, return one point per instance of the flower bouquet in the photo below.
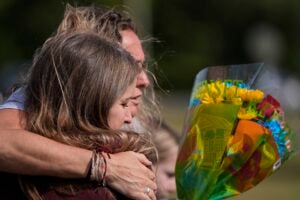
(235, 133)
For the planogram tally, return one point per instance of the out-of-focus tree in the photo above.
(25, 25)
(193, 33)
(197, 34)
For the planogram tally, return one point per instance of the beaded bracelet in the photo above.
(95, 163)
(98, 167)
(103, 169)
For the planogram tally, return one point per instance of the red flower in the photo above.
(267, 106)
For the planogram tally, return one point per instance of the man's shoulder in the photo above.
(15, 100)
(10, 118)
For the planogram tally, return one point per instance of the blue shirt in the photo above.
(15, 101)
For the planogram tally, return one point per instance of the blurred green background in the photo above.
(189, 35)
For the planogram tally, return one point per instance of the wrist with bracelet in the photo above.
(98, 167)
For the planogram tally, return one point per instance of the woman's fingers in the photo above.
(128, 173)
(147, 194)
(142, 158)
(150, 193)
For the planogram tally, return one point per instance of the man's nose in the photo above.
(142, 80)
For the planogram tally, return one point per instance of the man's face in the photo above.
(132, 44)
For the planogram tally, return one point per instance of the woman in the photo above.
(26, 151)
(78, 90)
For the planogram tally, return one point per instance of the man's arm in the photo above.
(23, 152)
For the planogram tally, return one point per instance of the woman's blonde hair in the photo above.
(72, 84)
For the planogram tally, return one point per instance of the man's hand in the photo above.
(130, 174)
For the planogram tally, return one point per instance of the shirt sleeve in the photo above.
(15, 100)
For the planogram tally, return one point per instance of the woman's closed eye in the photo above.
(125, 104)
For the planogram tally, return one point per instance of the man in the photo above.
(22, 152)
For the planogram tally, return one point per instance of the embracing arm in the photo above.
(23, 152)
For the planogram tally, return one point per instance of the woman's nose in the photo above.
(128, 116)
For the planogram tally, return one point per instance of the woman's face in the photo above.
(120, 114)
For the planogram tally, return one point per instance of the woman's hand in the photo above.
(130, 174)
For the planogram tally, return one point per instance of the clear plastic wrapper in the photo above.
(235, 134)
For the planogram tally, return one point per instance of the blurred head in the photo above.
(166, 142)
(79, 80)
(115, 27)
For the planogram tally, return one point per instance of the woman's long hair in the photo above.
(72, 84)
(108, 23)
